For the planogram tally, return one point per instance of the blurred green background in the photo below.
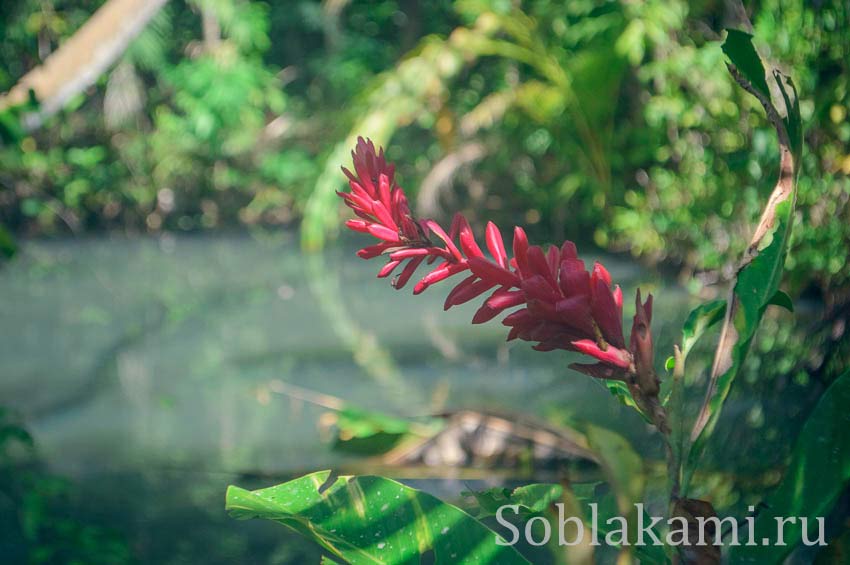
(174, 204)
(610, 121)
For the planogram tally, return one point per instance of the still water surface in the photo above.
(142, 368)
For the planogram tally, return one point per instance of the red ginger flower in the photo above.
(384, 213)
(563, 305)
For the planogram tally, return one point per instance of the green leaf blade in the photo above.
(531, 499)
(782, 299)
(742, 53)
(758, 278)
(701, 318)
(817, 475)
(757, 284)
(372, 519)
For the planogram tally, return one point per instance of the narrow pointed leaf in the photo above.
(782, 299)
(621, 392)
(699, 321)
(740, 50)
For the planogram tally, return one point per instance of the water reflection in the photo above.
(142, 369)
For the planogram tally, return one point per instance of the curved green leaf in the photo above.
(782, 299)
(760, 273)
(756, 285)
(622, 465)
(621, 392)
(818, 474)
(740, 50)
(699, 320)
(372, 520)
(371, 433)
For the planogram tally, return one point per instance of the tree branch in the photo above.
(79, 62)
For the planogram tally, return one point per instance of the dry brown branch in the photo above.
(78, 62)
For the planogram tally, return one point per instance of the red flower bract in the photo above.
(563, 306)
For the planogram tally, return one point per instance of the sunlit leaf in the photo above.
(358, 423)
(372, 520)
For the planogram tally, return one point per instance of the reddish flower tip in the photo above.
(612, 356)
(560, 304)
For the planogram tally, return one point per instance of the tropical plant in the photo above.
(561, 305)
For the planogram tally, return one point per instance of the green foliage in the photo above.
(368, 432)
(707, 224)
(621, 464)
(538, 499)
(758, 279)
(611, 121)
(621, 392)
(531, 499)
(252, 131)
(608, 506)
(357, 423)
(706, 315)
(11, 433)
(338, 513)
(699, 321)
(7, 243)
(817, 474)
(372, 520)
(738, 46)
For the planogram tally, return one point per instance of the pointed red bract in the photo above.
(561, 304)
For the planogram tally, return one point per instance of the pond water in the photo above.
(142, 367)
